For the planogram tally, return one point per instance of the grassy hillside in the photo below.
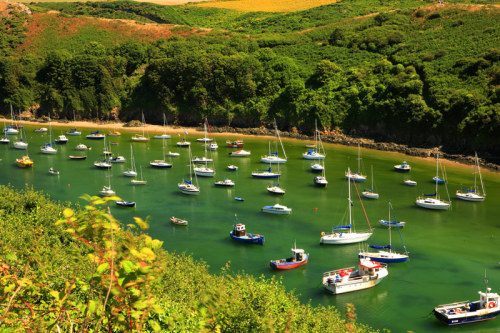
(415, 72)
(79, 270)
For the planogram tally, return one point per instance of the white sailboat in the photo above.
(139, 137)
(22, 142)
(187, 186)
(346, 234)
(4, 138)
(161, 164)
(386, 254)
(49, 148)
(203, 170)
(321, 180)
(356, 176)
(103, 163)
(132, 172)
(140, 181)
(370, 192)
(164, 135)
(272, 157)
(73, 131)
(473, 194)
(212, 145)
(107, 190)
(276, 188)
(316, 152)
(11, 129)
(433, 203)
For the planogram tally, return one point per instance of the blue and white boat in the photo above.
(95, 136)
(125, 203)
(438, 180)
(356, 176)
(470, 312)
(266, 173)
(403, 167)
(239, 234)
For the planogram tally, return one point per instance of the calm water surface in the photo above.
(449, 250)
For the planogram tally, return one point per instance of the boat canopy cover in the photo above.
(268, 170)
(430, 195)
(95, 132)
(380, 247)
(369, 190)
(343, 227)
(310, 151)
(467, 190)
(277, 185)
(187, 182)
(274, 153)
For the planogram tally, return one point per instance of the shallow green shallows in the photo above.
(449, 250)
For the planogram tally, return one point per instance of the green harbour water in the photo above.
(449, 250)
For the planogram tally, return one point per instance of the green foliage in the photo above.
(79, 270)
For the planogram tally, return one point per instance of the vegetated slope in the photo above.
(265, 5)
(398, 70)
(79, 270)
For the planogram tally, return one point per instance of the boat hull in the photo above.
(466, 317)
(370, 195)
(265, 175)
(430, 203)
(392, 223)
(313, 156)
(272, 210)
(364, 282)
(470, 197)
(383, 256)
(345, 238)
(248, 239)
(74, 157)
(273, 160)
(280, 264)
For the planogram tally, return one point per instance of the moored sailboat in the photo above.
(370, 192)
(272, 157)
(356, 176)
(473, 194)
(433, 203)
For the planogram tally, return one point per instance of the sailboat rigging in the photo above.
(370, 192)
(433, 203)
(139, 137)
(272, 157)
(49, 148)
(356, 176)
(473, 194)
(132, 172)
(187, 186)
(164, 135)
(314, 153)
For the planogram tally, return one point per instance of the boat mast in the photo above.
(437, 174)
(359, 159)
(480, 178)
(279, 138)
(350, 202)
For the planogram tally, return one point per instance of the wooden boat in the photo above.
(298, 258)
(344, 280)
(77, 157)
(486, 308)
(235, 144)
(24, 162)
(125, 203)
(178, 221)
(277, 209)
(239, 234)
(403, 167)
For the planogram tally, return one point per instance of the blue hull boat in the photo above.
(248, 238)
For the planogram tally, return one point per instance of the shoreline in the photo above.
(331, 138)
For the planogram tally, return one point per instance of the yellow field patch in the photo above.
(266, 5)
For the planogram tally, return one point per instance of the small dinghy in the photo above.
(53, 172)
(239, 199)
(410, 182)
(232, 167)
(77, 157)
(226, 182)
(178, 221)
(125, 203)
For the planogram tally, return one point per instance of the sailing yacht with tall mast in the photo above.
(212, 145)
(164, 135)
(272, 157)
(276, 188)
(187, 186)
(321, 180)
(161, 164)
(433, 203)
(356, 176)
(49, 148)
(22, 142)
(346, 234)
(139, 137)
(132, 172)
(318, 151)
(140, 181)
(473, 194)
(11, 129)
(107, 190)
(203, 170)
(370, 192)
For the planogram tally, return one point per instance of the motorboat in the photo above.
(117, 159)
(239, 234)
(77, 157)
(276, 189)
(239, 153)
(277, 209)
(234, 144)
(464, 312)
(41, 130)
(368, 274)
(410, 182)
(81, 146)
(232, 167)
(226, 182)
(298, 258)
(320, 181)
(102, 164)
(61, 139)
(160, 164)
(316, 167)
(403, 167)
(24, 162)
(173, 154)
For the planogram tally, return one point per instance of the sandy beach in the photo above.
(111, 126)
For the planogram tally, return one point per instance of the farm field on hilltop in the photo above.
(266, 5)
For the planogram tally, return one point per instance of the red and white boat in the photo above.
(298, 258)
(235, 144)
